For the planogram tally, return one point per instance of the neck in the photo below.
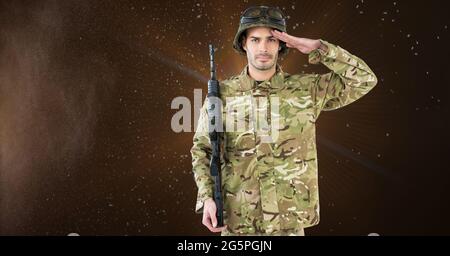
(261, 75)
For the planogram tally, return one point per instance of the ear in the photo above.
(244, 43)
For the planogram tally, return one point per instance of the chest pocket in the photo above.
(297, 112)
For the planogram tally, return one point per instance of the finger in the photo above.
(207, 222)
(278, 35)
(217, 230)
(221, 228)
(288, 36)
(212, 214)
(275, 32)
(284, 37)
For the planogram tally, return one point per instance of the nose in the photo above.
(263, 46)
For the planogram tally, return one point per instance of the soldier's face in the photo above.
(261, 47)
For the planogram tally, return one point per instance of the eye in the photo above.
(272, 40)
(254, 40)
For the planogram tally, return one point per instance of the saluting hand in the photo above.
(304, 45)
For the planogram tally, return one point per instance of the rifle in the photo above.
(215, 123)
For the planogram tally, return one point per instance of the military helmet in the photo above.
(260, 16)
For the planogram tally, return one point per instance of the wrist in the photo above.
(322, 46)
(318, 44)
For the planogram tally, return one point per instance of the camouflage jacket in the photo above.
(271, 187)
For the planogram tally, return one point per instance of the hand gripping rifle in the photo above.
(215, 123)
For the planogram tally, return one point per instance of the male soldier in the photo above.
(271, 187)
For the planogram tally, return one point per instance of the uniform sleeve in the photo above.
(201, 155)
(350, 77)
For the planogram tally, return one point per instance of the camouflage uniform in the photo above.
(272, 188)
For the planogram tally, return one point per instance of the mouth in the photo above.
(263, 58)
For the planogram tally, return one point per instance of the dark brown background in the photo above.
(85, 93)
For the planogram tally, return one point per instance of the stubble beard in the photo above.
(264, 66)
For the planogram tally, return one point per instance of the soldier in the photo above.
(271, 187)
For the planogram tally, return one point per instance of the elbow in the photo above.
(375, 82)
(372, 82)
